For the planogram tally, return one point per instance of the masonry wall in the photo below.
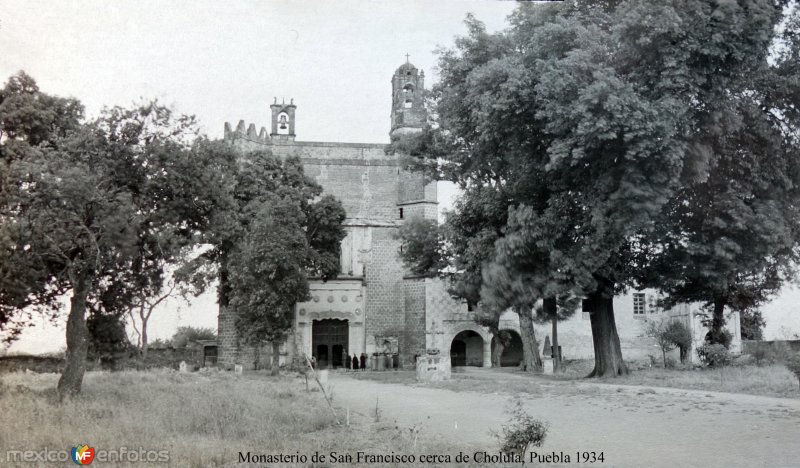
(414, 304)
(370, 185)
(384, 280)
(575, 334)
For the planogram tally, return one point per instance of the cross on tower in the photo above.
(407, 58)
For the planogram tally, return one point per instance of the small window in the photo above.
(407, 104)
(470, 306)
(639, 304)
(401, 213)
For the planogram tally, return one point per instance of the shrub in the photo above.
(715, 355)
(793, 363)
(669, 334)
(679, 334)
(722, 337)
(522, 432)
(184, 335)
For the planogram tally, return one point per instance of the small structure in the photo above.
(433, 367)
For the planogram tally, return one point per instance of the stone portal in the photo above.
(329, 342)
(507, 349)
(466, 349)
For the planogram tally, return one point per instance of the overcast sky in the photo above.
(225, 61)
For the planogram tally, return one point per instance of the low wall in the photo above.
(749, 346)
(156, 358)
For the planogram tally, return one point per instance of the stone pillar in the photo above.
(487, 353)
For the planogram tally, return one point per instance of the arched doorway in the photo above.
(507, 349)
(329, 340)
(466, 349)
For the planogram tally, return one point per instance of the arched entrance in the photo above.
(507, 349)
(466, 349)
(329, 340)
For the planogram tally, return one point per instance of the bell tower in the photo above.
(408, 109)
(282, 120)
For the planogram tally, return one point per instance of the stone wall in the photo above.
(373, 189)
(414, 305)
(575, 333)
(750, 346)
(384, 282)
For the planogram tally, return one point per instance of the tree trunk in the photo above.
(664, 357)
(607, 350)
(144, 340)
(684, 352)
(276, 358)
(718, 320)
(550, 307)
(532, 362)
(497, 352)
(77, 342)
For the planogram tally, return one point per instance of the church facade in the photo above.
(375, 307)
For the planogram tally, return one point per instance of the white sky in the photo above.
(225, 61)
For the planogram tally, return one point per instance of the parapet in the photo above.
(248, 134)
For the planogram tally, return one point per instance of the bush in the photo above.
(522, 432)
(715, 355)
(793, 363)
(184, 335)
(722, 337)
(679, 334)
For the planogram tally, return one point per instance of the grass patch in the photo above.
(201, 419)
(773, 380)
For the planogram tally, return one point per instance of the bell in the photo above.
(283, 122)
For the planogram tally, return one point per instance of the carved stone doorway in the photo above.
(329, 342)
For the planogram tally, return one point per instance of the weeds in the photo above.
(202, 419)
(522, 432)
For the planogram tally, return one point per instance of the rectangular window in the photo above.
(639, 304)
(401, 213)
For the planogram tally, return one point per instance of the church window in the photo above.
(407, 104)
(401, 213)
(639, 304)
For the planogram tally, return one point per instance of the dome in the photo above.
(406, 68)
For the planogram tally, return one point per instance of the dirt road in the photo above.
(632, 426)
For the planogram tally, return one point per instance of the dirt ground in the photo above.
(632, 426)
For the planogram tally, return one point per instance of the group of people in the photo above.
(357, 362)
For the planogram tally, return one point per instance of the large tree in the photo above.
(590, 116)
(729, 239)
(273, 231)
(457, 252)
(82, 203)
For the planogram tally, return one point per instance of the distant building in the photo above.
(375, 305)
